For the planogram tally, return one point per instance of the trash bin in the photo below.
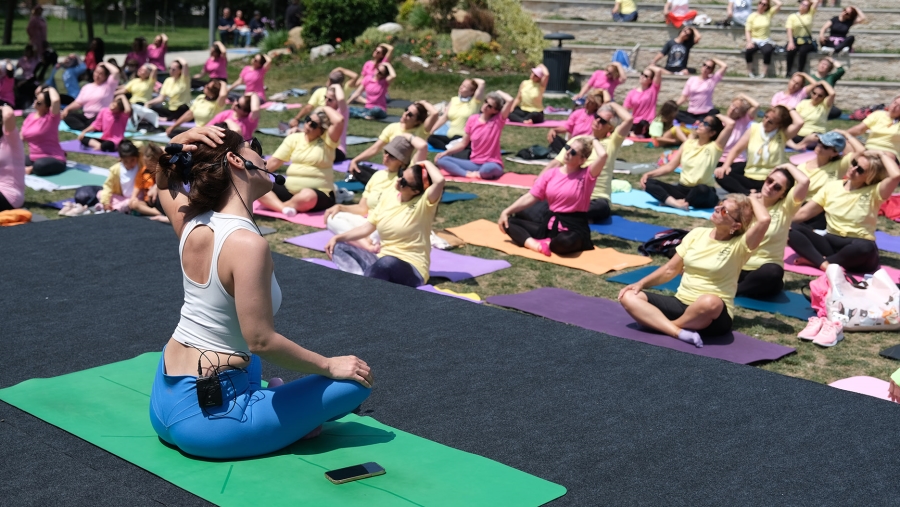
(557, 61)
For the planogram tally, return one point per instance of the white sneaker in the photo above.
(751, 75)
(343, 195)
(844, 51)
(825, 50)
(289, 211)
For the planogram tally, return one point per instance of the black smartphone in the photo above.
(356, 472)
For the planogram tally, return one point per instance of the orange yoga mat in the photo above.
(597, 261)
(514, 180)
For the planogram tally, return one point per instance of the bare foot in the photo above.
(802, 261)
(681, 204)
(160, 218)
(528, 122)
(475, 175)
(28, 169)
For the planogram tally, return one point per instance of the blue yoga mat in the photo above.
(352, 186)
(641, 199)
(621, 227)
(789, 304)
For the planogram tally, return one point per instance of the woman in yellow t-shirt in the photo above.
(467, 103)
(762, 277)
(851, 213)
(883, 128)
(418, 120)
(141, 87)
(764, 143)
(204, 108)
(309, 185)
(403, 222)
(831, 163)
(814, 112)
(625, 11)
(709, 260)
(800, 38)
(176, 90)
(528, 106)
(756, 33)
(697, 158)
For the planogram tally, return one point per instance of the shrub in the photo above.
(442, 11)
(420, 18)
(274, 40)
(325, 21)
(404, 10)
(515, 29)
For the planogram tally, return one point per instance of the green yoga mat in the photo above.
(75, 177)
(108, 406)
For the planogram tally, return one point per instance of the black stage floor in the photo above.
(614, 421)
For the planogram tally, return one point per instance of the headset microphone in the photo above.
(250, 166)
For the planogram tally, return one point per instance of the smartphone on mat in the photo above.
(356, 472)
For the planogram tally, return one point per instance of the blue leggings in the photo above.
(352, 259)
(459, 167)
(252, 420)
(362, 113)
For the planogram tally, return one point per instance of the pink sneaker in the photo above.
(830, 334)
(545, 246)
(812, 329)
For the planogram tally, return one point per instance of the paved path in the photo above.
(195, 58)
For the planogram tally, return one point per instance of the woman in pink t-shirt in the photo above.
(112, 122)
(483, 134)
(579, 123)
(93, 97)
(156, 52)
(608, 79)
(12, 163)
(8, 84)
(216, 67)
(743, 111)
(795, 92)
(243, 116)
(37, 30)
(253, 76)
(567, 190)
(376, 88)
(641, 101)
(138, 51)
(698, 92)
(41, 131)
(381, 54)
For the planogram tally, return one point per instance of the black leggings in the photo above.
(323, 200)
(766, 50)
(846, 43)
(673, 308)
(165, 112)
(853, 254)
(107, 146)
(737, 183)
(687, 118)
(45, 166)
(519, 116)
(76, 120)
(441, 142)
(563, 242)
(597, 212)
(700, 196)
(801, 51)
(4, 204)
(765, 282)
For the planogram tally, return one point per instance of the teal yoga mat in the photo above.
(641, 199)
(789, 304)
(108, 407)
(74, 178)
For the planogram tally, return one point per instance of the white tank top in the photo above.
(209, 318)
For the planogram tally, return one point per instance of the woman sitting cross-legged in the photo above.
(205, 107)
(41, 131)
(175, 91)
(309, 185)
(417, 120)
(831, 163)
(814, 112)
(851, 212)
(709, 260)
(578, 123)
(783, 192)
(567, 190)
(112, 122)
(483, 133)
(457, 112)
(528, 107)
(697, 158)
(403, 222)
(375, 87)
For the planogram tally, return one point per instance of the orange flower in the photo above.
(338, 39)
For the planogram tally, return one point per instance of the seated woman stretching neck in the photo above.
(483, 134)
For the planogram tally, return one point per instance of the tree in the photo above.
(88, 18)
(8, 25)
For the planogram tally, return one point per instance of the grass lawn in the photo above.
(856, 355)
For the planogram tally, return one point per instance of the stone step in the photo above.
(587, 58)
(593, 10)
(656, 34)
(865, 5)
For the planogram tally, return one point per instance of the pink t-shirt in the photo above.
(12, 168)
(700, 93)
(111, 124)
(140, 57)
(643, 103)
(93, 97)
(216, 68)
(376, 92)
(157, 55)
(740, 126)
(787, 100)
(485, 138)
(42, 135)
(579, 123)
(565, 193)
(368, 69)
(8, 89)
(255, 79)
(248, 126)
(599, 80)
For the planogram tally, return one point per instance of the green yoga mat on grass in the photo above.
(108, 406)
(75, 178)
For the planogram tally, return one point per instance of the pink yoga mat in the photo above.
(790, 256)
(309, 219)
(806, 156)
(187, 124)
(507, 180)
(266, 105)
(547, 124)
(870, 386)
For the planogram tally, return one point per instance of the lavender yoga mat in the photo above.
(345, 166)
(887, 242)
(449, 265)
(605, 316)
(74, 146)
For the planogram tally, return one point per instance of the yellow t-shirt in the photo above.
(801, 25)
(759, 162)
(698, 163)
(627, 7)
(815, 118)
(457, 114)
(771, 249)
(178, 92)
(405, 229)
(711, 267)
(380, 184)
(884, 133)
(311, 163)
(532, 97)
(603, 185)
(317, 99)
(760, 25)
(819, 176)
(849, 213)
(395, 129)
(141, 90)
(205, 109)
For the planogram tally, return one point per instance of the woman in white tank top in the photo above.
(226, 325)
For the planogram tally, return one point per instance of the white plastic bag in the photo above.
(868, 305)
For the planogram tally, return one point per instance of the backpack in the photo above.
(663, 243)
(536, 152)
(863, 112)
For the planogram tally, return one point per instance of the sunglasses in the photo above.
(775, 186)
(814, 95)
(570, 150)
(708, 66)
(856, 168)
(705, 123)
(38, 103)
(722, 209)
(492, 106)
(646, 76)
(409, 113)
(600, 119)
(312, 123)
(255, 145)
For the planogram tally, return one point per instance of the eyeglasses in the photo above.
(254, 145)
(775, 185)
(570, 150)
(722, 209)
(312, 123)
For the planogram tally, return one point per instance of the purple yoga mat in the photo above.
(887, 242)
(449, 265)
(605, 316)
(74, 146)
(345, 166)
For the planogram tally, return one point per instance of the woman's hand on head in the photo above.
(209, 135)
(350, 368)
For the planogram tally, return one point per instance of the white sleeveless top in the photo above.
(209, 318)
